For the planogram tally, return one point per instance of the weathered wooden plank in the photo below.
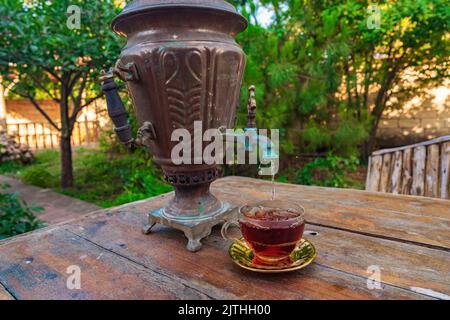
(374, 173)
(401, 264)
(445, 171)
(385, 173)
(419, 161)
(340, 271)
(418, 219)
(432, 171)
(369, 173)
(38, 266)
(212, 269)
(4, 294)
(396, 176)
(439, 140)
(407, 171)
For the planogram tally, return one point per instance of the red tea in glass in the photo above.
(272, 229)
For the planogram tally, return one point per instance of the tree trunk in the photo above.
(66, 134)
(369, 144)
(66, 162)
(2, 108)
(380, 105)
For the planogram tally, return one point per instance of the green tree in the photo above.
(327, 70)
(55, 50)
(386, 53)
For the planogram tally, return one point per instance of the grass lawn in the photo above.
(110, 179)
(102, 178)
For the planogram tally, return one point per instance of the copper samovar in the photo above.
(181, 64)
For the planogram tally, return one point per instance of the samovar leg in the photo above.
(195, 236)
(152, 221)
(194, 231)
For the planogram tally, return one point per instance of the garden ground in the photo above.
(108, 179)
(101, 178)
(57, 207)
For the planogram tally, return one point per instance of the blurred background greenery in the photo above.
(324, 71)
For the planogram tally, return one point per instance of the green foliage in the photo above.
(141, 185)
(341, 139)
(104, 177)
(47, 156)
(16, 216)
(38, 46)
(331, 171)
(114, 179)
(37, 175)
(46, 54)
(10, 167)
(323, 75)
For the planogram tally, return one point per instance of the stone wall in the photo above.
(23, 111)
(30, 127)
(419, 120)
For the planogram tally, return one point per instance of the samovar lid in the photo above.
(141, 6)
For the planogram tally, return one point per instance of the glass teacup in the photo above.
(272, 229)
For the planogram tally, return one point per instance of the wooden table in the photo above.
(407, 237)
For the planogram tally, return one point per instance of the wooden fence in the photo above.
(40, 135)
(421, 169)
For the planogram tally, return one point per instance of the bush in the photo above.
(141, 185)
(112, 178)
(331, 171)
(139, 177)
(47, 156)
(16, 217)
(38, 176)
(104, 177)
(10, 167)
(341, 140)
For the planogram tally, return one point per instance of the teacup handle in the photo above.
(225, 227)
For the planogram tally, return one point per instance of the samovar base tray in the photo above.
(194, 229)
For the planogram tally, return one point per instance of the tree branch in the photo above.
(39, 108)
(10, 87)
(367, 77)
(74, 80)
(80, 91)
(52, 73)
(77, 101)
(89, 101)
(73, 117)
(348, 84)
(39, 84)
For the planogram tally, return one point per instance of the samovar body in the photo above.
(182, 66)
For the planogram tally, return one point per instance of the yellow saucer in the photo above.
(302, 256)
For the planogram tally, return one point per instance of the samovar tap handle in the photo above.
(117, 111)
